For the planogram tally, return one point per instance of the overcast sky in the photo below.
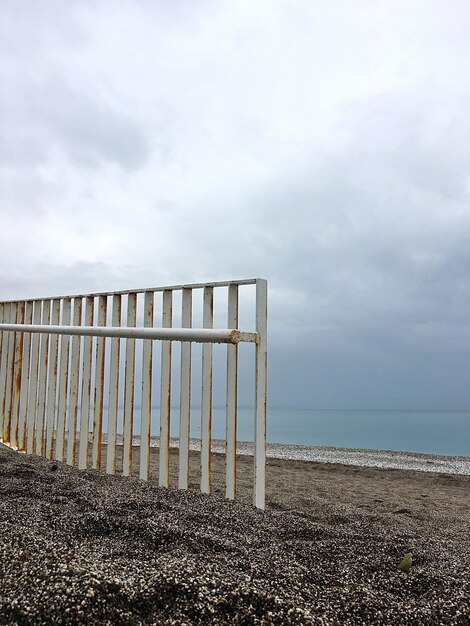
(324, 146)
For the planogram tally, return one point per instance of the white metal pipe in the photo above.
(197, 335)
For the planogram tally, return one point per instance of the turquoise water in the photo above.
(412, 431)
(429, 432)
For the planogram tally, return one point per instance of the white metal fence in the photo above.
(53, 380)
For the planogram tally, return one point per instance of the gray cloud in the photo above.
(325, 149)
(58, 121)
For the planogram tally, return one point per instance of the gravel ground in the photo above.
(86, 548)
(386, 459)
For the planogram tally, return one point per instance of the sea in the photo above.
(427, 432)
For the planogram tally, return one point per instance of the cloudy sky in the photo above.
(324, 146)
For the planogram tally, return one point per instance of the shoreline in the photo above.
(386, 459)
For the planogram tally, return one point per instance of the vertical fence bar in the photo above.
(260, 393)
(33, 383)
(99, 386)
(2, 319)
(129, 388)
(185, 392)
(146, 408)
(17, 376)
(74, 384)
(165, 391)
(231, 398)
(52, 380)
(4, 368)
(9, 378)
(206, 397)
(86, 386)
(42, 385)
(63, 382)
(17, 370)
(25, 377)
(3, 360)
(113, 389)
(3, 345)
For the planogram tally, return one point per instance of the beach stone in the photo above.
(81, 547)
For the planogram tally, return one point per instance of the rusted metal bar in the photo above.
(129, 389)
(52, 381)
(99, 386)
(260, 394)
(146, 402)
(9, 380)
(86, 386)
(3, 371)
(28, 316)
(6, 428)
(63, 382)
(185, 392)
(2, 309)
(5, 368)
(231, 398)
(16, 383)
(165, 394)
(74, 385)
(33, 383)
(206, 397)
(113, 388)
(42, 384)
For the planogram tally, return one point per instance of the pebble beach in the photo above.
(390, 459)
(82, 547)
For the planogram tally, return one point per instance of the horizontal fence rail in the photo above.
(196, 335)
(63, 374)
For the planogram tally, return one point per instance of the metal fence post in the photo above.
(260, 393)
(165, 393)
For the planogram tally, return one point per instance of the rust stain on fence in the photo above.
(31, 380)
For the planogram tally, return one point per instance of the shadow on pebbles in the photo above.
(86, 548)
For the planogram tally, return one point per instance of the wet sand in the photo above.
(86, 548)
